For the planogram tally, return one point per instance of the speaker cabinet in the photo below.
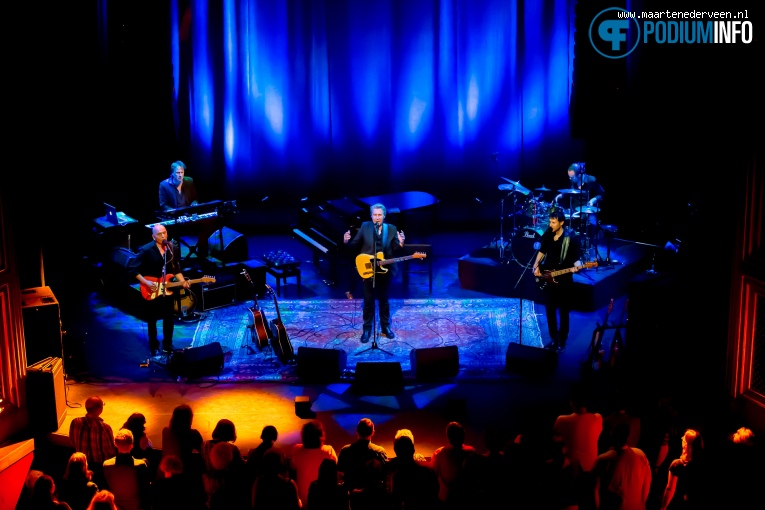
(378, 378)
(196, 362)
(320, 365)
(435, 362)
(228, 245)
(530, 361)
(42, 324)
(256, 285)
(46, 395)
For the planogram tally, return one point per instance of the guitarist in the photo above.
(373, 237)
(152, 259)
(559, 250)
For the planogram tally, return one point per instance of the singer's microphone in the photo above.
(164, 242)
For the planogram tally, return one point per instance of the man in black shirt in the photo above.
(559, 250)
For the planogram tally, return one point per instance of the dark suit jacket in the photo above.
(364, 242)
(169, 197)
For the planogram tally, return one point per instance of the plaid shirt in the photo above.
(92, 437)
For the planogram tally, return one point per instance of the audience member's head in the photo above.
(403, 447)
(743, 436)
(365, 429)
(620, 435)
(693, 446)
(102, 500)
(455, 433)
(273, 462)
(221, 455)
(136, 423)
(224, 431)
(77, 468)
(373, 473)
(94, 406)
(183, 416)
(31, 479)
(328, 472)
(123, 440)
(269, 434)
(171, 465)
(43, 492)
(312, 434)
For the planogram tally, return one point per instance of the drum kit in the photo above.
(530, 214)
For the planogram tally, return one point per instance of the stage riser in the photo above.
(485, 274)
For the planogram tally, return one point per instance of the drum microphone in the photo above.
(537, 245)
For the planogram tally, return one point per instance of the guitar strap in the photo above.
(564, 247)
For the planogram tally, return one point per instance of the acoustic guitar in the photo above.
(366, 267)
(548, 276)
(280, 341)
(257, 325)
(164, 286)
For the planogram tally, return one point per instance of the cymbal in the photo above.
(514, 186)
(588, 210)
(542, 189)
(570, 191)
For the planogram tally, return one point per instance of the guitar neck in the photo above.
(397, 259)
(276, 304)
(553, 274)
(170, 285)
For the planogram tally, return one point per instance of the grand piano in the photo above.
(321, 225)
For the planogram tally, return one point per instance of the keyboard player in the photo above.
(177, 190)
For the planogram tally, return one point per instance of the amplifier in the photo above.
(219, 294)
(46, 395)
(42, 324)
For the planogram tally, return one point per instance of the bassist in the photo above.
(373, 237)
(158, 259)
(559, 250)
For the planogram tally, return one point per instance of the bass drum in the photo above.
(525, 244)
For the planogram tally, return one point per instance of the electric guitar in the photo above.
(365, 266)
(280, 341)
(164, 285)
(258, 321)
(548, 276)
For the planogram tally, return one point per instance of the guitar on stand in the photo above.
(257, 326)
(597, 353)
(616, 352)
(280, 341)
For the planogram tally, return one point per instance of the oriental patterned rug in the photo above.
(480, 328)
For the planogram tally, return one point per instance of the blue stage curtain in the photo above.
(369, 96)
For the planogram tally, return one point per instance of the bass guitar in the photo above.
(163, 286)
(257, 325)
(366, 267)
(548, 276)
(280, 341)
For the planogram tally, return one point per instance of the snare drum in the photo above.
(523, 244)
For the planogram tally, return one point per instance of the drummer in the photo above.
(583, 196)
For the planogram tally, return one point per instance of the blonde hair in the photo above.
(102, 500)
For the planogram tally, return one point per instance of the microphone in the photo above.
(164, 242)
(377, 223)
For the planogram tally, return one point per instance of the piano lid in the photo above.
(403, 201)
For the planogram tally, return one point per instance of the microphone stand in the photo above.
(374, 346)
(520, 310)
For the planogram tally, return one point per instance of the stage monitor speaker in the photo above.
(435, 362)
(378, 378)
(42, 324)
(228, 245)
(320, 365)
(196, 362)
(530, 361)
(46, 395)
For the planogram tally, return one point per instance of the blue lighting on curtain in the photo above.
(295, 88)
(202, 108)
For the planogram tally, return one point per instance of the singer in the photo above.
(374, 237)
(157, 259)
(559, 249)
